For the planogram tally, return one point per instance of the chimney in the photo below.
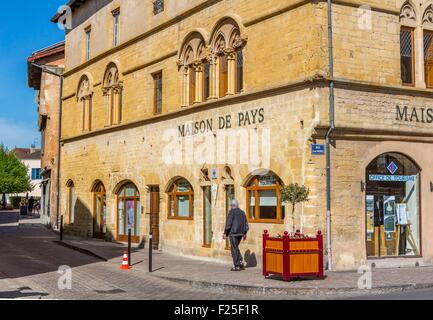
(32, 149)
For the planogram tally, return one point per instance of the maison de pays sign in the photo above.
(242, 119)
(414, 114)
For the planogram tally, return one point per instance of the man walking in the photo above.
(236, 229)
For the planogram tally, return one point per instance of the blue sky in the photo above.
(25, 28)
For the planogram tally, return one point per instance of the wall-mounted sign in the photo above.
(392, 168)
(413, 114)
(387, 178)
(240, 120)
(318, 149)
(215, 174)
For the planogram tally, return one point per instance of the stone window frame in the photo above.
(228, 40)
(85, 99)
(419, 18)
(158, 103)
(112, 90)
(87, 44)
(116, 27)
(194, 54)
(173, 193)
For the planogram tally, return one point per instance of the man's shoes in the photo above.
(236, 269)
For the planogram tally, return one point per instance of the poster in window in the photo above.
(370, 214)
(389, 213)
(130, 210)
(402, 217)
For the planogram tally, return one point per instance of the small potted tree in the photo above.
(294, 194)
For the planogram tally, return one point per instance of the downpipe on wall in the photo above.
(329, 140)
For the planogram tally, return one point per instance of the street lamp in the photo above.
(57, 72)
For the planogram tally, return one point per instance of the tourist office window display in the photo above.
(128, 213)
(180, 200)
(264, 200)
(392, 207)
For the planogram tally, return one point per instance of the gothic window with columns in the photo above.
(84, 98)
(112, 90)
(228, 48)
(193, 63)
(212, 69)
(408, 23)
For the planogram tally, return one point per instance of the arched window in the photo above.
(128, 213)
(264, 199)
(112, 89)
(194, 65)
(392, 206)
(228, 48)
(99, 211)
(84, 97)
(70, 201)
(180, 200)
(408, 23)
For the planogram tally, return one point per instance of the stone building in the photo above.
(47, 87)
(172, 110)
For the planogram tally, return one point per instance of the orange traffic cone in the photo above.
(125, 262)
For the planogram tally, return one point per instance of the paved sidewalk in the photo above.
(218, 277)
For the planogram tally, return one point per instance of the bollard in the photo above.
(129, 246)
(150, 244)
(61, 228)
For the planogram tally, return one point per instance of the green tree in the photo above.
(13, 175)
(294, 194)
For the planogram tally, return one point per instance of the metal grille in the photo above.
(406, 43)
(428, 46)
(158, 6)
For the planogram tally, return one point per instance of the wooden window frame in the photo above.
(175, 194)
(102, 193)
(192, 84)
(412, 31)
(254, 186)
(425, 60)
(135, 198)
(221, 94)
(237, 90)
(71, 186)
(156, 77)
(206, 84)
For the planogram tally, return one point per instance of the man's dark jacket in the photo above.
(237, 224)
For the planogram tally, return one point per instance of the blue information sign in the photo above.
(318, 149)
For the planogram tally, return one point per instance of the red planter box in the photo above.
(293, 256)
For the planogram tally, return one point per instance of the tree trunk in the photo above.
(293, 218)
(4, 201)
